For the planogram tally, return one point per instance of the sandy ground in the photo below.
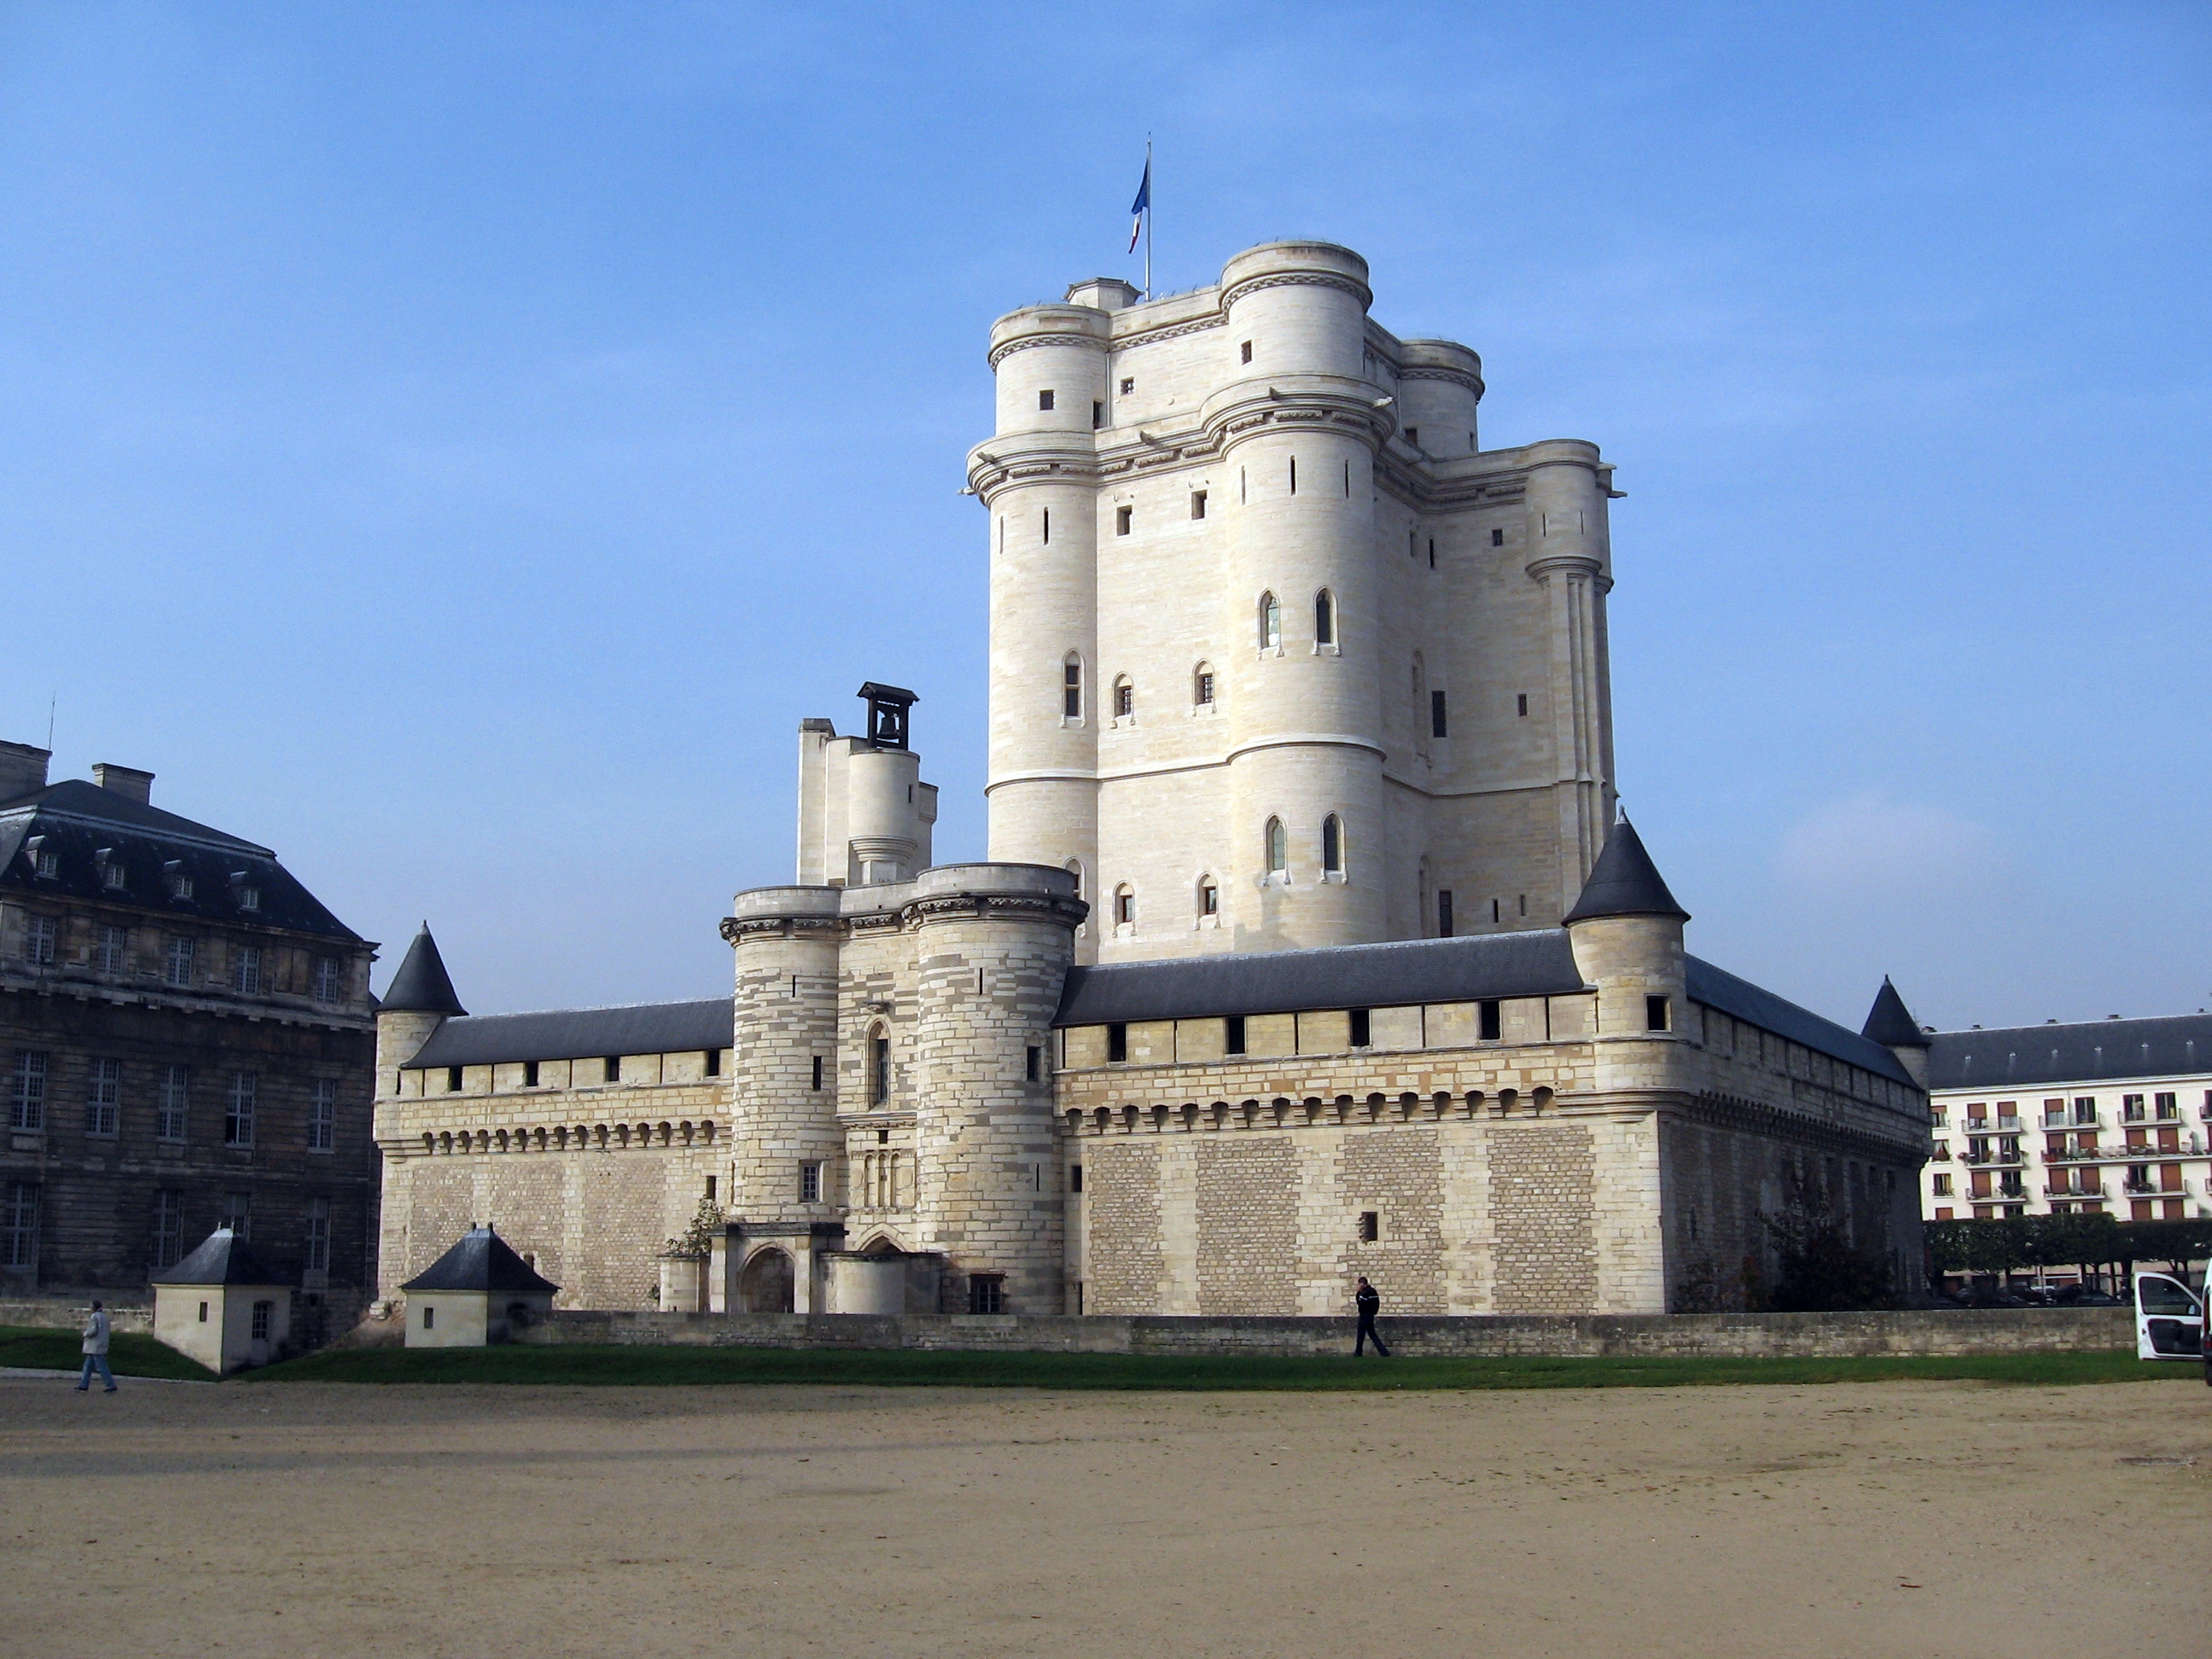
(1895, 1518)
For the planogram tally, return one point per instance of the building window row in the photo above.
(1204, 691)
(30, 1075)
(179, 959)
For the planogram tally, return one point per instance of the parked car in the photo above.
(2169, 1319)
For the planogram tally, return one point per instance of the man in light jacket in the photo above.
(95, 1351)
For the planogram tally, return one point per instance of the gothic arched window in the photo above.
(1279, 849)
(1332, 845)
(1270, 623)
(1324, 619)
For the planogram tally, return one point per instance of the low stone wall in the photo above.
(1916, 1331)
(68, 1312)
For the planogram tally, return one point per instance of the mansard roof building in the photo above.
(187, 1034)
(1310, 946)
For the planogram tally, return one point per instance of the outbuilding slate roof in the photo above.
(223, 1258)
(2094, 1051)
(1534, 964)
(640, 1028)
(482, 1260)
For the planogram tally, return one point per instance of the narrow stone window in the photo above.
(1125, 699)
(1279, 850)
(1521, 703)
(1048, 527)
(1123, 517)
(1412, 544)
(1332, 845)
(1241, 495)
(1361, 1028)
(318, 1240)
(1032, 1063)
(1270, 623)
(810, 1183)
(1370, 1226)
(1347, 480)
(1201, 687)
(1197, 503)
(1432, 552)
(1232, 1035)
(1413, 436)
(817, 1071)
(879, 1070)
(1654, 1013)
(1324, 619)
(1125, 906)
(1492, 1025)
(1070, 689)
(1127, 387)
(453, 1079)
(1444, 913)
(1097, 416)
(1044, 401)
(1117, 1043)
(1075, 1177)
(1524, 904)
(1246, 350)
(1498, 538)
(611, 1068)
(713, 1062)
(1209, 897)
(1494, 914)
(1436, 723)
(430, 1316)
(323, 1116)
(1294, 475)
(710, 1188)
(987, 1293)
(530, 1074)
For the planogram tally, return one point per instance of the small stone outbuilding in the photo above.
(478, 1292)
(223, 1306)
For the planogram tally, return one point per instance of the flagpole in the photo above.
(1148, 216)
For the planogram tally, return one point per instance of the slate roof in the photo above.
(421, 985)
(642, 1028)
(223, 1258)
(1536, 963)
(1717, 989)
(482, 1260)
(2094, 1051)
(1890, 1022)
(1625, 882)
(76, 821)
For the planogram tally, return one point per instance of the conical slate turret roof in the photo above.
(223, 1258)
(1624, 883)
(422, 986)
(1890, 1022)
(482, 1260)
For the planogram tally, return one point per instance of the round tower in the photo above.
(1439, 384)
(786, 942)
(1037, 478)
(1569, 553)
(420, 999)
(995, 947)
(1299, 424)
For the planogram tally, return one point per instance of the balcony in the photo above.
(2146, 1189)
(1992, 1159)
(2079, 1155)
(2008, 1126)
(2055, 1191)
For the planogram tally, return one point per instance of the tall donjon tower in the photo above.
(1280, 656)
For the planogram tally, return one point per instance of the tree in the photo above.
(1818, 1267)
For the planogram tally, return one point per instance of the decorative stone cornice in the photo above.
(1724, 1111)
(1358, 290)
(985, 907)
(1450, 376)
(1000, 353)
(735, 930)
(1171, 332)
(1572, 566)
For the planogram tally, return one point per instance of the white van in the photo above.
(2169, 1319)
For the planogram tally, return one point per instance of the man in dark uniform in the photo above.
(1369, 1302)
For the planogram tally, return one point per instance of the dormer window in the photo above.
(111, 871)
(179, 883)
(46, 863)
(243, 889)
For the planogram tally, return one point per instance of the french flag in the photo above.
(1141, 206)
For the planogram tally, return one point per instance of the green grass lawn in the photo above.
(37, 1348)
(905, 1368)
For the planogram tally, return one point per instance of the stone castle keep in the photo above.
(1309, 946)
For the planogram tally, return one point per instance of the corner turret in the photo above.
(420, 999)
(1626, 931)
(1890, 1022)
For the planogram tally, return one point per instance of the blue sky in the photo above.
(456, 445)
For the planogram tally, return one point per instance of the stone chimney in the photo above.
(22, 769)
(127, 782)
